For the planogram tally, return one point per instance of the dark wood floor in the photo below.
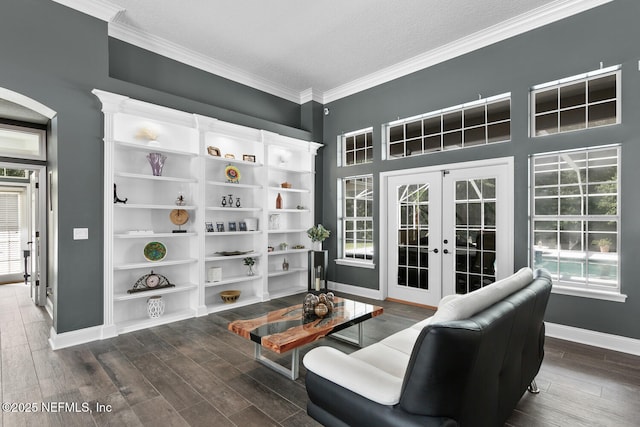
(196, 373)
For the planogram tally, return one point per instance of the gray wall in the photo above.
(576, 45)
(56, 56)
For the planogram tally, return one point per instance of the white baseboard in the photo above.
(80, 336)
(593, 338)
(355, 290)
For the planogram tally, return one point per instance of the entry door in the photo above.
(37, 282)
(449, 231)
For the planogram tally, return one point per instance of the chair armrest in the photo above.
(354, 375)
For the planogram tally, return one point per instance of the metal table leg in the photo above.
(289, 373)
(359, 341)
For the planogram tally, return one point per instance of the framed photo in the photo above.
(209, 226)
(232, 226)
(213, 151)
(229, 156)
(220, 226)
(242, 226)
(249, 158)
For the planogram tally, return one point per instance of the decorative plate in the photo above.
(232, 173)
(179, 216)
(155, 251)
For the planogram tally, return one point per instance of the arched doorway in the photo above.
(24, 126)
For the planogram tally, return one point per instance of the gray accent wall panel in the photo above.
(607, 34)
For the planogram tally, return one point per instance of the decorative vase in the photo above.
(155, 307)
(285, 265)
(156, 160)
(317, 246)
(279, 201)
(250, 272)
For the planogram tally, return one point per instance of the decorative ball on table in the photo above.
(318, 305)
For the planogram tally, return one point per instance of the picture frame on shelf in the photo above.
(209, 227)
(232, 226)
(249, 158)
(213, 151)
(229, 156)
(220, 227)
(242, 226)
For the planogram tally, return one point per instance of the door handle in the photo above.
(435, 251)
(446, 251)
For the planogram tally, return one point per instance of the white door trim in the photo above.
(384, 202)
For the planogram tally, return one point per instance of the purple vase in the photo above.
(156, 160)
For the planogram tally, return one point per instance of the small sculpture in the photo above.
(156, 160)
(224, 201)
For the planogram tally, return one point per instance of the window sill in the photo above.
(588, 293)
(350, 263)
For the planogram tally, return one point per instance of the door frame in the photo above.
(385, 200)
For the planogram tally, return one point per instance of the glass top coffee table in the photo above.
(287, 329)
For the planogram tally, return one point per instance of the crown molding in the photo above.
(308, 95)
(536, 18)
(100, 9)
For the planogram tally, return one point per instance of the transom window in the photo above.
(22, 142)
(357, 147)
(580, 102)
(476, 123)
(357, 218)
(575, 217)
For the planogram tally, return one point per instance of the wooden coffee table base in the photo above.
(286, 330)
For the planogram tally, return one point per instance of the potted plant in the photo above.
(604, 244)
(249, 262)
(318, 234)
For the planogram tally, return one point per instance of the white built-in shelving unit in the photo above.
(199, 177)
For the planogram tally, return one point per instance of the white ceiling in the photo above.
(320, 50)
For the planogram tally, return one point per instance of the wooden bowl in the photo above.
(229, 297)
(286, 185)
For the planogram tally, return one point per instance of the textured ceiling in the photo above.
(320, 45)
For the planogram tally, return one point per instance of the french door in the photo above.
(449, 229)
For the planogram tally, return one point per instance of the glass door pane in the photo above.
(413, 235)
(475, 231)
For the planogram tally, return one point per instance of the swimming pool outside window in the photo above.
(575, 217)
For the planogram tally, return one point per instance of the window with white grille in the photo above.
(579, 102)
(480, 122)
(575, 217)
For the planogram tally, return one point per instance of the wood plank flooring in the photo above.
(196, 373)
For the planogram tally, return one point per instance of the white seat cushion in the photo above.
(402, 341)
(355, 375)
(385, 358)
